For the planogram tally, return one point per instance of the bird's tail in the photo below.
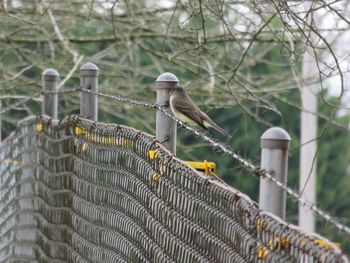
(219, 129)
(211, 123)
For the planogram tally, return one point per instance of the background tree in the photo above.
(239, 60)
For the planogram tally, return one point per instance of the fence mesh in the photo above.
(82, 191)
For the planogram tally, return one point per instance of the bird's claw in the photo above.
(165, 105)
(165, 139)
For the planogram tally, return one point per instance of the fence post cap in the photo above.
(50, 74)
(89, 70)
(168, 77)
(275, 138)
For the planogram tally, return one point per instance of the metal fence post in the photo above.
(274, 159)
(88, 101)
(50, 84)
(0, 118)
(165, 127)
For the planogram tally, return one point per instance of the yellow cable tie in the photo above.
(282, 243)
(127, 142)
(153, 154)
(326, 244)
(110, 140)
(84, 148)
(155, 177)
(262, 252)
(11, 161)
(39, 127)
(260, 224)
(79, 131)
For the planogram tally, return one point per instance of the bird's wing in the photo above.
(185, 106)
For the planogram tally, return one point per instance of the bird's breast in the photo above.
(182, 117)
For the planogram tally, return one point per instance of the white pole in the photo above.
(274, 159)
(308, 133)
(308, 126)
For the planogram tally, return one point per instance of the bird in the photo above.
(184, 108)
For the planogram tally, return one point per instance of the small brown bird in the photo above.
(188, 112)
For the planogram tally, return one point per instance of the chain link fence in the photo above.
(83, 191)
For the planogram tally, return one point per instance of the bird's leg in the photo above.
(165, 105)
(165, 139)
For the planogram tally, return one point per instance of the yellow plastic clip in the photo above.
(205, 167)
